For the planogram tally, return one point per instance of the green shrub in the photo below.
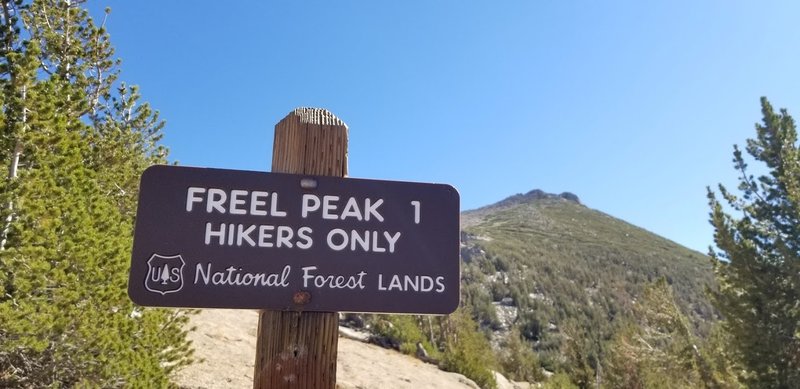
(67, 210)
(518, 360)
(559, 381)
(403, 332)
(467, 351)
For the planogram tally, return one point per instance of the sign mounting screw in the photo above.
(301, 297)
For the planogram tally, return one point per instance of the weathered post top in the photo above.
(319, 116)
(310, 141)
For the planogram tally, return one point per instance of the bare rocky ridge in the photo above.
(225, 344)
(475, 216)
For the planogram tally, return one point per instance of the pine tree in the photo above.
(758, 258)
(717, 354)
(518, 360)
(165, 275)
(74, 146)
(582, 352)
(658, 350)
(466, 350)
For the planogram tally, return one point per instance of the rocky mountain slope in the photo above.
(540, 262)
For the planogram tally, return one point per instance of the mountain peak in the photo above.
(474, 216)
(537, 194)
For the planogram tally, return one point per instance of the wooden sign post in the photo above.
(298, 349)
(299, 243)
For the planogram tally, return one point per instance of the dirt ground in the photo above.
(225, 342)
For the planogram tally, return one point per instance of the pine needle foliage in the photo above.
(453, 342)
(658, 350)
(466, 350)
(518, 360)
(757, 260)
(74, 142)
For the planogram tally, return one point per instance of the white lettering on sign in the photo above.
(191, 197)
(352, 209)
(416, 205)
(238, 202)
(256, 203)
(216, 200)
(335, 281)
(235, 276)
(241, 202)
(367, 241)
(407, 283)
(229, 234)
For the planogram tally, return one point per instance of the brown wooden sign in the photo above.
(212, 238)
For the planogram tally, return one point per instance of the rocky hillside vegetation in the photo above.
(554, 271)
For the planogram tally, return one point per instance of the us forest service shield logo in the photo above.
(164, 274)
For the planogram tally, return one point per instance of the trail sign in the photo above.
(213, 238)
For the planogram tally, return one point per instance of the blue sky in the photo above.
(634, 107)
